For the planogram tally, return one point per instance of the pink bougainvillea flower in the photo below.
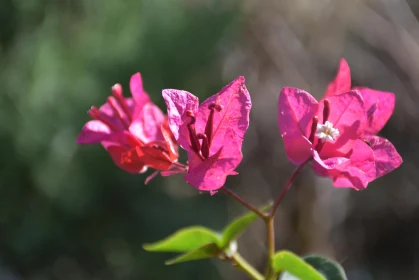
(379, 105)
(133, 130)
(338, 132)
(211, 132)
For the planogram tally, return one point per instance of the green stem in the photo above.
(271, 246)
(246, 267)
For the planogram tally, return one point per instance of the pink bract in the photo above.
(137, 115)
(356, 156)
(211, 132)
(133, 130)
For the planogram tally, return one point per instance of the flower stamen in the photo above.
(313, 128)
(210, 121)
(326, 110)
(195, 145)
(205, 144)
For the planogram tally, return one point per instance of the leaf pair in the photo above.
(198, 242)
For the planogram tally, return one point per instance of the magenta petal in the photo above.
(328, 167)
(233, 120)
(354, 172)
(340, 170)
(346, 114)
(121, 138)
(146, 126)
(342, 81)
(296, 109)
(352, 178)
(211, 174)
(361, 170)
(137, 91)
(93, 132)
(386, 157)
(362, 157)
(111, 116)
(379, 106)
(178, 102)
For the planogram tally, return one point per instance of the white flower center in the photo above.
(326, 131)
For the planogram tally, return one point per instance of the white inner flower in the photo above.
(326, 131)
(231, 249)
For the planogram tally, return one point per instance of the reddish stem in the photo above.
(244, 203)
(269, 220)
(287, 187)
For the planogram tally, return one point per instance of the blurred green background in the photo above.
(66, 212)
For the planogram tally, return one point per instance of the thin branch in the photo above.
(243, 202)
(287, 187)
(246, 267)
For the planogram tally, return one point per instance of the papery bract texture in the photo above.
(386, 157)
(346, 115)
(342, 82)
(338, 132)
(296, 109)
(211, 132)
(379, 106)
(133, 130)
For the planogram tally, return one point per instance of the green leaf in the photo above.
(184, 240)
(296, 267)
(206, 251)
(233, 230)
(330, 269)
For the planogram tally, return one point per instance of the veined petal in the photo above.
(233, 119)
(123, 139)
(379, 106)
(147, 124)
(354, 171)
(362, 157)
(153, 158)
(210, 174)
(329, 167)
(352, 177)
(178, 102)
(346, 114)
(342, 81)
(109, 114)
(93, 132)
(296, 109)
(361, 170)
(386, 157)
(126, 159)
(137, 90)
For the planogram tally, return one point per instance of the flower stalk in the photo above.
(267, 218)
(246, 267)
(249, 206)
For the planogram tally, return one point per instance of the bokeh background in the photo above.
(66, 212)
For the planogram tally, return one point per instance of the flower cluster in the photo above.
(337, 134)
(339, 131)
(134, 131)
